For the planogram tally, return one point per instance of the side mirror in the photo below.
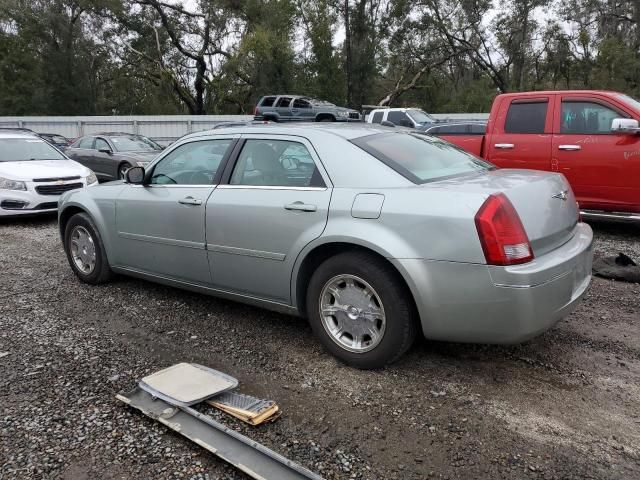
(105, 150)
(134, 176)
(406, 123)
(387, 123)
(625, 125)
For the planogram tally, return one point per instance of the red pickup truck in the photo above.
(592, 137)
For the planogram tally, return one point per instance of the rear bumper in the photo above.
(486, 304)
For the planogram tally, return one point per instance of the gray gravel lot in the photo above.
(565, 405)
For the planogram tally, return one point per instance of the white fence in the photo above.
(163, 129)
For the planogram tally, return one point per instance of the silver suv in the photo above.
(290, 108)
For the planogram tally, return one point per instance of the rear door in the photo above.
(603, 167)
(161, 226)
(274, 202)
(283, 108)
(523, 139)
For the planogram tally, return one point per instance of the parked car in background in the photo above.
(402, 117)
(296, 108)
(371, 233)
(56, 140)
(591, 137)
(109, 155)
(33, 174)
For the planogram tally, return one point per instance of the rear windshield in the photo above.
(421, 158)
(134, 144)
(23, 149)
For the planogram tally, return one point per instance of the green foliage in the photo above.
(79, 57)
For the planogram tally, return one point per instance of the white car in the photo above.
(403, 117)
(33, 174)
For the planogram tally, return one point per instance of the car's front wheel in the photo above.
(359, 308)
(85, 250)
(122, 170)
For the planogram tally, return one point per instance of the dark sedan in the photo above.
(56, 140)
(109, 155)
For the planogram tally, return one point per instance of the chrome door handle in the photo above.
(301, 207)
(190, 201)
(571, 148)
(504, 146)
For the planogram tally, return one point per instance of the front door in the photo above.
(161, 226)
(105, 164)
(603, 167)
(302, 110)
(523, 139)
(275, 202)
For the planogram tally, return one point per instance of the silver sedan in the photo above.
(370, 233)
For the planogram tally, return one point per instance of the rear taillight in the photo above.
(501, 233)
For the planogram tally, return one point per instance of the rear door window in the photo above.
(86, 142)
(276, 163)
(377, 117)
(526, 117)
(284, 102)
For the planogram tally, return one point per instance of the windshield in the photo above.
(25, 149)
(421, 158)
(630, 100)
(134, 144)
(420, 117)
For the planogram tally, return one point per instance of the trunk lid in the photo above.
(544, 201)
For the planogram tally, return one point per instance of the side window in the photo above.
(586, 118)
(398, 117)
(86, 142)
(284, 102)
(377, 117)
(194, 163)
(526, 117)
(101, 144)
(478, 129)
(267, 101)
(453, 130)
(299, 103)
(277, 163)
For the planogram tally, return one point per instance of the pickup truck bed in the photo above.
(591, 137)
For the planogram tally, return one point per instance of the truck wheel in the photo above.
(360, 310)
(85, 250)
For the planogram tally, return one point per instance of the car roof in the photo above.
(347, 131)
(8, 133)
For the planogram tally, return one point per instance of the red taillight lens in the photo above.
(501, 233)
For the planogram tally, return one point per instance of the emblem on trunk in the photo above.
(563, 195)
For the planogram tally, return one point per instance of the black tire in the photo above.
(401, 318)
(122, 168)
(101, 272)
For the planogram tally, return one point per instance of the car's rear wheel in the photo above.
(122, 170)
(85, 250)
(359, 308)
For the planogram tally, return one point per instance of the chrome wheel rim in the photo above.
(83, 250)
(352, 313)
(123, 169)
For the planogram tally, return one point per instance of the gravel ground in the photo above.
(565, 405)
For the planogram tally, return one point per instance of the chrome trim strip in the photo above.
(633, 217)
(268, 187)
(533, 285)
(163, 241)
(246, 252)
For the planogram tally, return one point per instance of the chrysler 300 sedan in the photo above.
(373, 234)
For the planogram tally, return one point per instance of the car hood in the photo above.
(42, 169)
(139, 156)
